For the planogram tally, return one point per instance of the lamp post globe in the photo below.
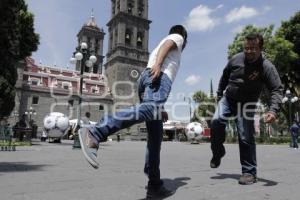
(78, 56)
(93, 59)
(83, 45)
(73, 61)
(89, 63)
(285, 99)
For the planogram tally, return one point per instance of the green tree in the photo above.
(17, 40)
(206, 107)
(289, 30)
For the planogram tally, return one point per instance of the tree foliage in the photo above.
(290, 31)
(17, 40)
(205, 109)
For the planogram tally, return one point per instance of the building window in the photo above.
(34, 81)
(139, 40)
(116, 37)
(35, 100)
(128, 34)
(71, 103)
(66, 85)
(101, 107)
(140, 8)
(95, 89)
(130, 6)
(118, 5)
(111, 42)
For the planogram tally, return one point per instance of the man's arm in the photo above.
(167, 46)
(223, 82)
(274, 85)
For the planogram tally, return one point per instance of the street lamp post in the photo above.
(32, 129)
(30, 112)
(290, 98)
(15, 114)
(85, 57)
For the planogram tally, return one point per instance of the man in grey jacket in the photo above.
(242, 81)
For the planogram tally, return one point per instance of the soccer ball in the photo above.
(56, 124)
(194, 130)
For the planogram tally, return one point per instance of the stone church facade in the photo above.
(127, 54)
(44, 89)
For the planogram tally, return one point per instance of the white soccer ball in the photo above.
(62, 123)
(49, 122)
(56, 124)
(194, 130)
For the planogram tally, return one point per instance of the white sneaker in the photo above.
(89, 146)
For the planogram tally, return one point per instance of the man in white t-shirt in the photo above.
(154, 88)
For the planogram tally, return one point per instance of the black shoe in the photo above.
(216, 159)
(158, 192)
(247, 179)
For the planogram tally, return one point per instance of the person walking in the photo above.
(294, 129)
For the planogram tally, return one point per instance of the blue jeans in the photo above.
(245, 128)
(294, 140)
(153, 96)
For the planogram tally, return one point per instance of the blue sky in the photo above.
(211, 26)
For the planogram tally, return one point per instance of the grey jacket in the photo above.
(244, 81)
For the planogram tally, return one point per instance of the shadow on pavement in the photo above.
(19, 167)
(237, 177)
(173, 184)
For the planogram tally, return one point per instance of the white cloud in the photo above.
(240, 13)
(200, 18)
(192, 80)
(238, 29)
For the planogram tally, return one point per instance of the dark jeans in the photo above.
(153, 96)
(152, 158)
(243, 114)
(294, 140)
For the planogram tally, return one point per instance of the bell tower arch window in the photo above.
(139, 40)
(130, 6)
(128, 36)
(140, 8)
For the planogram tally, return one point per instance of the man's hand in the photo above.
(155, 72)
(270, 117)
(164, 116)
(218, 98)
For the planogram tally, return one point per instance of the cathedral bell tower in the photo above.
(93, 36)
(127, 54)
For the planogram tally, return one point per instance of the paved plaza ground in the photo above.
(47, 171)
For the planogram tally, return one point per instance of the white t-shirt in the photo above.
(171, 63)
